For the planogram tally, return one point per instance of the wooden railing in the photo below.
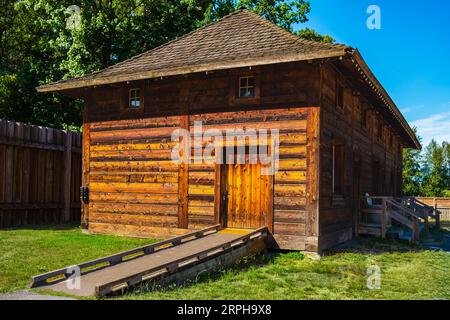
(440, 205)
(407, 211)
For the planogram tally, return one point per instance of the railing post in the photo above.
(436, 214)
(415, 231)
(426, 219)
(384, 219)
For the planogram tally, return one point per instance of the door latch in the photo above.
(84, 194)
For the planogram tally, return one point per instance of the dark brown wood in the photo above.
(67, 175)
(39, 181)
(137, 190)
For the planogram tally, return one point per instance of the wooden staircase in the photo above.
(379, 215)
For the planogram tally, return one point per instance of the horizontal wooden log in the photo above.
(289, 228)
(135, 209)
(153, 177)
(135, 166)
(134, 198)
(137, 220)
(289, 190)
(118, 187)
(104, 136)
(100, 148)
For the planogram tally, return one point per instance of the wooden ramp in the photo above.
(202, 249)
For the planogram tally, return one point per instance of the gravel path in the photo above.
(28, 295)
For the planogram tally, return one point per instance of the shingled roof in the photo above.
(240, 39)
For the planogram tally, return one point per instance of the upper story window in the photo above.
(340, 96)
(380, 130)
(338, 169)
(134, 98)
(247, 87)
(363, 118)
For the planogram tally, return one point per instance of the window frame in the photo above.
(131, 98)
(338, 176)
(247, 87)
(340, 96)
(233, 96)
(364, 113)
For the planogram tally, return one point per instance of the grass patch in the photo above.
(293, 276)
(408, 272)
(28, 252)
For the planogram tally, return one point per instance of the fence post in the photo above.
(384, 219)
(67, 175)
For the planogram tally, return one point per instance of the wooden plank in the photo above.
(67, 176)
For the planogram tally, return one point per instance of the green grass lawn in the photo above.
(407, 272)
(28, 252)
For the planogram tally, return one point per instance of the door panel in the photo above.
(247, 196)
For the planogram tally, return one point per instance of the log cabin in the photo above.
(339, 136)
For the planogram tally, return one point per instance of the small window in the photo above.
(376, 177)
(340, 97)
(134, 100)
(247, 87)
(363, 118)
(380, 131)
(338, 169)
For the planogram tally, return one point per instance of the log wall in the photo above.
(135, 188)
(380, 157)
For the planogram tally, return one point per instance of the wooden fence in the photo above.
(441, 204)
(40, 175)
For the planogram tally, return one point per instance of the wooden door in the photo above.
(247, 196)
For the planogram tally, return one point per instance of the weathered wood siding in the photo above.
(135, 187)
(40, 175)
(343, 126)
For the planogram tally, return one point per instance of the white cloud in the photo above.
(435, 126)
(409, 109)
(406, 110)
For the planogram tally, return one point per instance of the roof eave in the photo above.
(356, 55)
(78, 83)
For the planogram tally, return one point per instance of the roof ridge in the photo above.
(294, 36)
(165, 44)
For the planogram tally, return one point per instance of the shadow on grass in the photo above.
(370, 245)
(242, 265)
(49, 227)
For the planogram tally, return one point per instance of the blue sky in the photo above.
(409, 55)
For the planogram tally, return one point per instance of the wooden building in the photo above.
(340, 136)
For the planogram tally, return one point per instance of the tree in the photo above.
(284, 13)
(312, 35)
(37, 47)
(435, 170)
(412, 173)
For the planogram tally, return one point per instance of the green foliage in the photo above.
(412, 172)
(25, 253)
(37, 47)
(427, 173)
(313, 35)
